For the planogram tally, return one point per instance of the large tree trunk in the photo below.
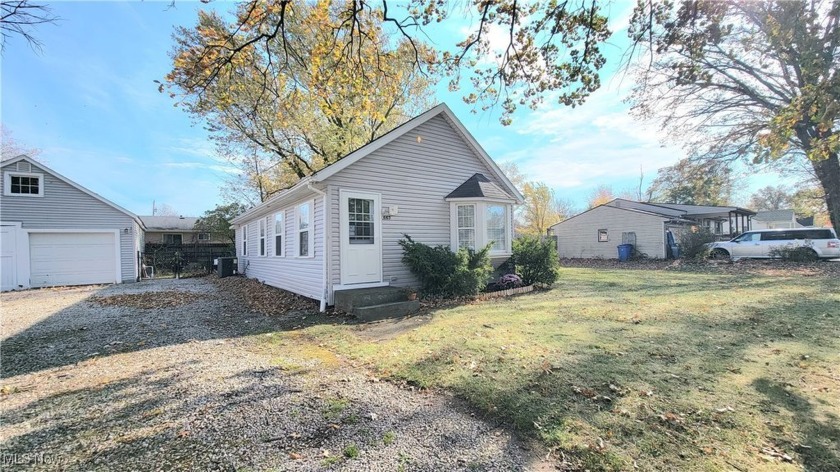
(828, 173)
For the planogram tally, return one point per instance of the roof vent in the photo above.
(23, 166)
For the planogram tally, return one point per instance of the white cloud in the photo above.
(577, 149)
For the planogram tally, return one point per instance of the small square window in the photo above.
(603, 237)
(30, 185)
(204, 236)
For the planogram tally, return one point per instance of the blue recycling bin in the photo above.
(624, 252)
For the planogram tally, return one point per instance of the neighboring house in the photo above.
(177, 230)
(772, 219)
(56, 232)
(595, 233)
(340, 227)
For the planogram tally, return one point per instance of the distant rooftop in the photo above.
(169, 223)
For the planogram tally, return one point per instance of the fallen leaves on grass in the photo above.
(765, 267)
(265, 299)
(148, 300)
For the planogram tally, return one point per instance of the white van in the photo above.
(815, 243)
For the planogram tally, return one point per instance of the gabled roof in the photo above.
(667, 211)
(674, 218)
(169, 223)
(304, 185)
(24, 157)
(406, 127)
(479, 186)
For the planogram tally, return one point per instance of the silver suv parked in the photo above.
(810, 243)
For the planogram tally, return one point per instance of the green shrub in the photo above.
(447, 273)
(693, 244)
(794, 253)
(536, 260)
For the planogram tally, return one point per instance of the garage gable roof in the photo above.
(607, 205)
(24, 157)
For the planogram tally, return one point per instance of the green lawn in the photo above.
(661, 370)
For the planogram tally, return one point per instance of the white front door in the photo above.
(361, 237)
(8, 258)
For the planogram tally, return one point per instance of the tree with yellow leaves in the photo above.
(285, 107)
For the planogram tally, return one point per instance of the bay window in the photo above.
(476, 224)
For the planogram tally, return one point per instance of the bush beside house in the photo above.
(445, 273)
(536, 260)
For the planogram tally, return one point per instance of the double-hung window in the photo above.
(496, 224)
(305, 239)
(466, 226)
(245, 240)
(279, 232)
(262, 236)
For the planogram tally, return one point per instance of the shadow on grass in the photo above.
(820, 444)
(664, 400)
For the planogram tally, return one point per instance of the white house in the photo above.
(771, 219)
(55, 232)
(339, 228)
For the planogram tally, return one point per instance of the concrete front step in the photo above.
(386, 310)
(348, 300)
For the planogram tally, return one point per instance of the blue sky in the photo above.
(88, 101)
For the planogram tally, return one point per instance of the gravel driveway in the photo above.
(190, 387)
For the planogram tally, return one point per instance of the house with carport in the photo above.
(595, 233)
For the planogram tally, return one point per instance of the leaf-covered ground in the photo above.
(147, 300)
(649, 368)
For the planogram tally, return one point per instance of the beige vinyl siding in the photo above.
(415, 175)
(301, 275)
(65, 207)
(577, 237)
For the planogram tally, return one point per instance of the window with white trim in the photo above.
(279, 232)
(475, 224)
(245, 240)
(496, 222)
(204, 236)
(23, 184)
(305, 237)
(603, 236)
(262, 236)
(466, 226)
(174, 239)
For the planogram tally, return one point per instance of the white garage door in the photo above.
(72, 258)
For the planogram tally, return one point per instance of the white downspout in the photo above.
(323, 195)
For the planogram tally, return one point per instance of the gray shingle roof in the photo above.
(479, 186)
(164, 223)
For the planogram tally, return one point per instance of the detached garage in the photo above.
(55, 232)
